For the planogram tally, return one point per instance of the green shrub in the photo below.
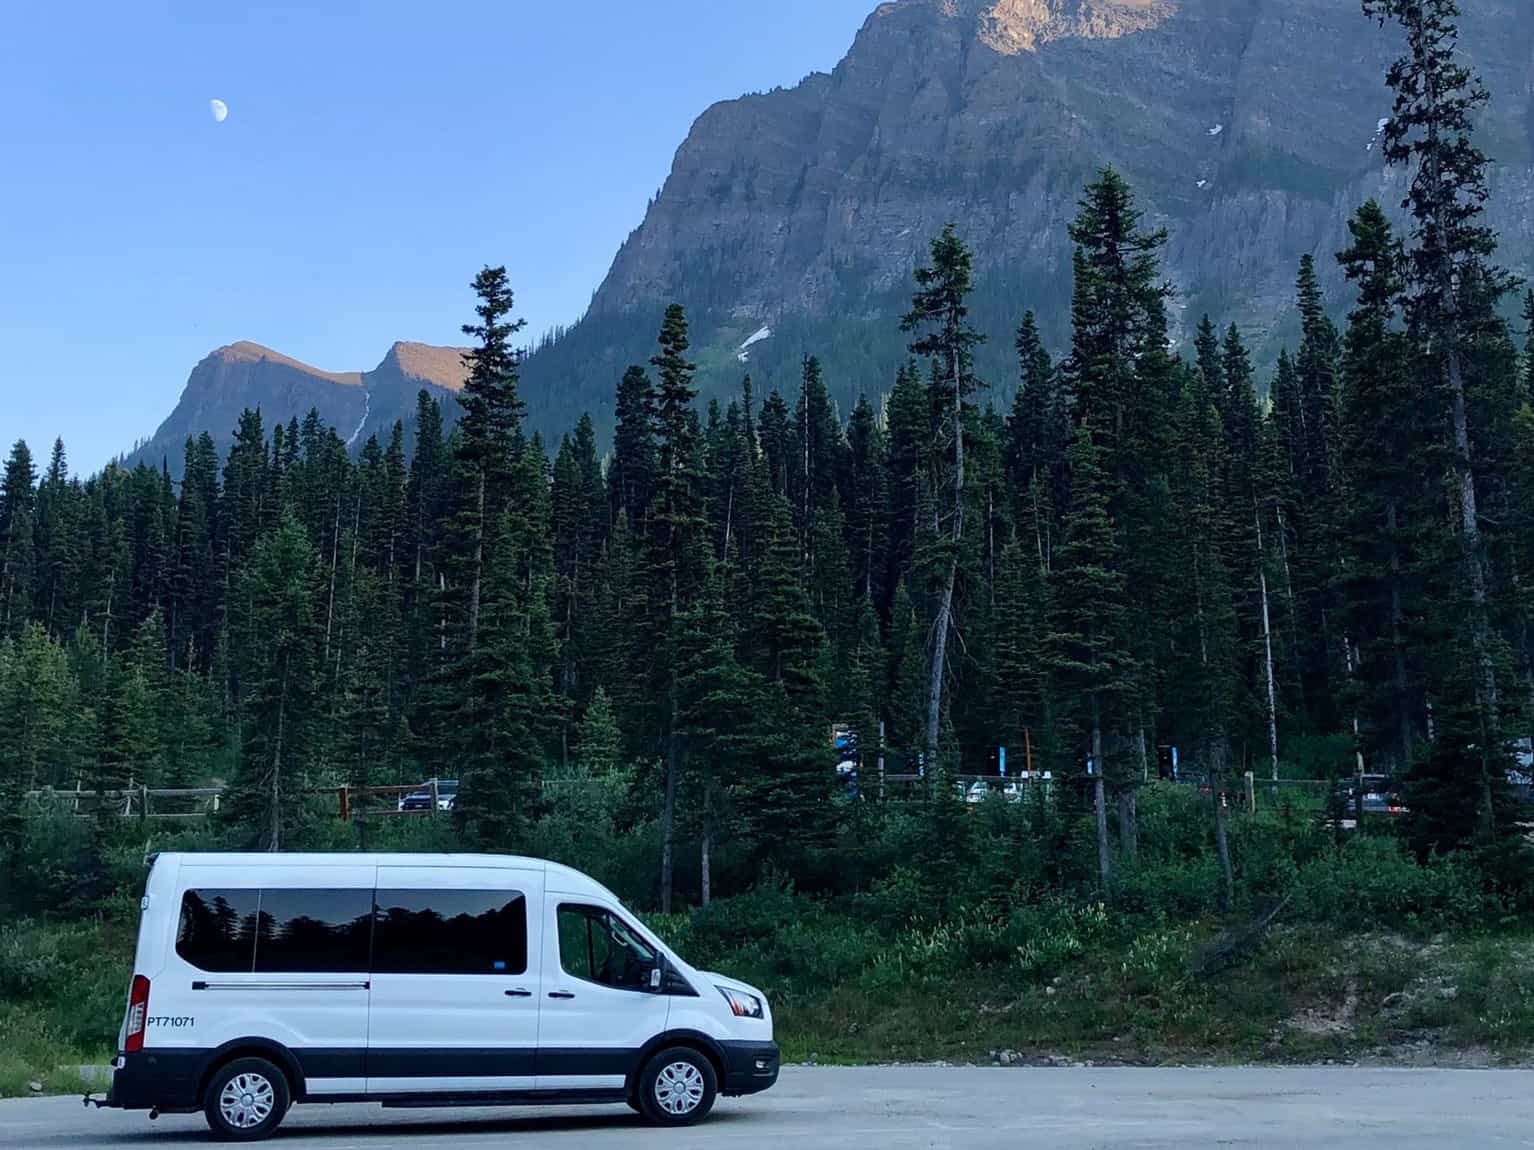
(1373, 882)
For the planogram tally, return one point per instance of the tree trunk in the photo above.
(330, 603)
(1100, 803)
(1221, 836)
(945, 608)
(479, 558)
(106, 618)
(1129, 830)
(668, 811)
(1398, 643)
(1283, 554)
(1470, 522)
(705, 862)
(274, 832)
(673, 757)
(1267, 650)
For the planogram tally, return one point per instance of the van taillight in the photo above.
(138, 1014)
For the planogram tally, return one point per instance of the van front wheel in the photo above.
(246, 1100)
(677, 1087)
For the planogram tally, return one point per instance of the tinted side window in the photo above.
(314, 931)
(450, 932)
(597, 946)
(218, 929)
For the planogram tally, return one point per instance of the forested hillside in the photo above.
(1137, 554)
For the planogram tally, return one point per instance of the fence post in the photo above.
(345, 793)
(1251, 792)
(434, 796)
(143, 792)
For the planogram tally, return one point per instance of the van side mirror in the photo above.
(655, 977)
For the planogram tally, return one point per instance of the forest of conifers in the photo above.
(1151, 547)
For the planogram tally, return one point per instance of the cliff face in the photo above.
(1249, 129)
(247, 375)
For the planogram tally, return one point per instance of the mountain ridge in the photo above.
(246, 374)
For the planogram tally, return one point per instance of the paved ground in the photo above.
(911, 1108)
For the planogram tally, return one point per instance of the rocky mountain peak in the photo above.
(246, 352)
(426, 363)
(1014, 26)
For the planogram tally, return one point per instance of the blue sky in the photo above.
(375, 156)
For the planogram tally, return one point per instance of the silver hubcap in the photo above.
(247, 1100)
(679, 1088)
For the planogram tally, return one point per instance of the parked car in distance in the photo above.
(977, 794)
(420, 798)
(417, 980)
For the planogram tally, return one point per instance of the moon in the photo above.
(219, 109)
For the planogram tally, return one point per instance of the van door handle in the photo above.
(560, 994)
(519, 993)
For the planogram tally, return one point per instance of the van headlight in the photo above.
(742, 1005)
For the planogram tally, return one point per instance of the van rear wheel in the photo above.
(246, 1100)
(677, 1087)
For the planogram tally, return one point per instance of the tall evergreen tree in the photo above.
(1089, 636)
(278, 676)
(1382, 430)
(491, 424)
(1431, 129)
(677, 552)
(940, 315)
(18, 506)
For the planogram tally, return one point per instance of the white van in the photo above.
(262, 980)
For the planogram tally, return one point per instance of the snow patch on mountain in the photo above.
(744, 355)
(367, 410)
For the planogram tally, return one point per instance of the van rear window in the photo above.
(276, 930)
(218, 929)
(450, 932)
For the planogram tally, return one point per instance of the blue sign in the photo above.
(1001, 756)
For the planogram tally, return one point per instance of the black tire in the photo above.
(677, 1087)
(248, 1110)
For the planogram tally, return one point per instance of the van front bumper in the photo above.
(749, 1067)
(157, 1080)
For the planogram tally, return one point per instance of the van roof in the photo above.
(561, 878)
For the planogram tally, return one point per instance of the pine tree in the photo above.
(1089, 634)
(677, 533)
(1528, 345)
(1431, 129)
(1382, 428)
(491, 424)
(55, 535)
(1323, 651)
(940, 310)
(1209, 645)
(1038, 434)
(1019, 678)
(631, 477)
(909, 434)
(278, 677)
(1124, 387)
(777, 440)
(866, 502)
(18, 506)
